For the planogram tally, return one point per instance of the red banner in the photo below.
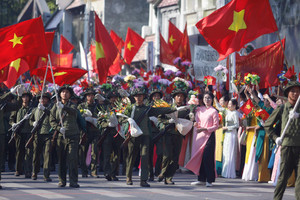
(267, 62)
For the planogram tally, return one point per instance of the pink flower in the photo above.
(193, 100)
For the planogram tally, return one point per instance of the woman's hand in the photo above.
(201, 130)
(225, 128)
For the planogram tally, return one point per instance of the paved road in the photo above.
(92, 188)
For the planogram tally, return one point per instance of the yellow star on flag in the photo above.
(99, 51)
(129, 45)
(238, 21)
(171, 40)
(263, 116)
(60, 73)
(16, 40)
(248, 107)
(16, 64)
(2, 72)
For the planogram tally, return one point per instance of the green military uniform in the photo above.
(23, 156)
(172, 142)
(290, 150)
(142, 143)
(67, 149)
(110, 148)
(93, 134)
(42, 143)
(5, 107)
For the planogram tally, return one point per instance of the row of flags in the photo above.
(227, 30)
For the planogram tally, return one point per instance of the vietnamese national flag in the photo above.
(229, 28)
(15, 69)
(210, 80)
(23, 39)
(263, 114)
(133, 42)
(65, 46)
(166, 56)
(247, 107)
(62, 75)
(61, 60)
(115, 68)
(175, 38)
(106, 50)
(184, 50)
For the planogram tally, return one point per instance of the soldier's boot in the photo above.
(34, 176)
(144, 184)
(168, 181)
(129, 181)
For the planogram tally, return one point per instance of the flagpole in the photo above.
(56, 95)
(286, 62)
(45, 79)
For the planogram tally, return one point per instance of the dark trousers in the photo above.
(290, 160)
(67, 152)
(207, 169)
(23, 156)
(2, 147)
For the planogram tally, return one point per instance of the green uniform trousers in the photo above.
(111, 154)
(171, 151)
(23, 156)
(290, 160)
(135, 145)
(159, 153)
(83, 149)
(42, 145)
(67, 152)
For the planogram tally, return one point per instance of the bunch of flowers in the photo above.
(169, 74)
(193, 102)
(221, 72)
(251, 79)
(136, 72)
(122, 104)
(281, 77)
(129, 80)
(161, 104)
(103, 113)
(78, 90)
(85, 113)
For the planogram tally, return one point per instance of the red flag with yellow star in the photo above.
(247, 107)
(184, 50)
(23, 39)
(65, 46)
(106, 50)
(133, 42)
(3, 74)
(15, 69)
(263, 114)
(175, 38)
(166, 56)
(229, 28)
(115, 68)
(62, 75)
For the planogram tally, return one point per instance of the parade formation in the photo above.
(242, 125)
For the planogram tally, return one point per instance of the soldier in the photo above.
(290, 143)
(93, 132)
(68, 136)
(23, 156)
(42, 137)
(111, 139)
(173, 139)
(141, 113)
(7, 107)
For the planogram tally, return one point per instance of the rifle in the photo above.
(82, 139)
(161, 133)
(19, 125)
(2, 105)
(138, 121)
(54, 137)
(38, 126)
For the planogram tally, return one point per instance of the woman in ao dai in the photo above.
(230, 140)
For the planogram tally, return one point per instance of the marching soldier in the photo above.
(21, 118)
(111, 139)
(173, 139)
(141, 113)
(93, 132)
(68, 136)
(42, 137)
(7, 107)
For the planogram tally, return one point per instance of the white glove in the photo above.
(14, 125)
(35, 123)
(41, 107)
(278, 141)
(110, 124)
(60, 105)
(293, 115)
(192, 116)
(20, 90)
(99, 97)
(171, 121)
(27, 116)
(62, 130)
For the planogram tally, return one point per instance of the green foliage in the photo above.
(52, 5)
